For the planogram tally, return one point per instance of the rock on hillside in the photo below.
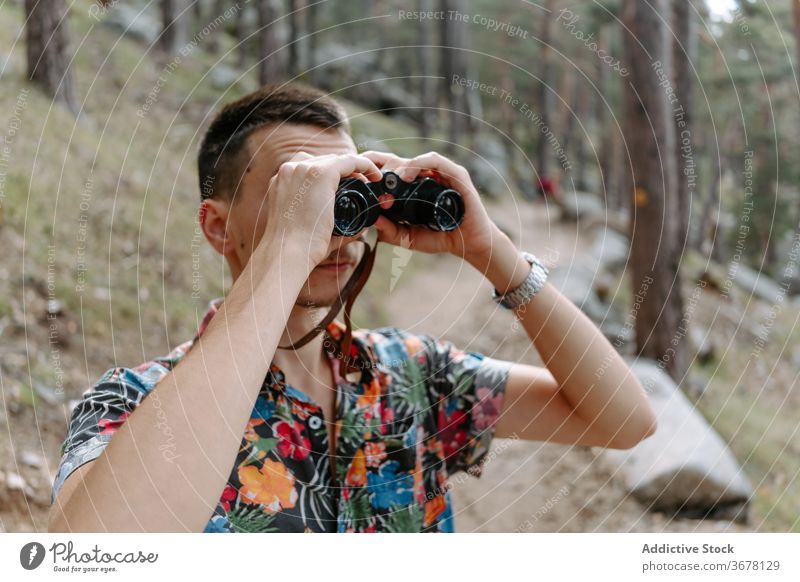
(685, 468)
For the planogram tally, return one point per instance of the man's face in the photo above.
(268, 148)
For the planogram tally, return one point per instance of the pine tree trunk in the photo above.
(312, 14)
(545, 87)
(269, 64)
(47, 50)
(650, 141)
(240, 32)
(173, 22)
(796, 18)
(427, 87)
(454, 63)
(213, 43)
(683, 54)
(294, 66)
(607, 128)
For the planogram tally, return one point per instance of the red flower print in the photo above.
(292, 443)
(486, 411)
(110, 426)
(387, 416)
(452, 431)
(228, 495)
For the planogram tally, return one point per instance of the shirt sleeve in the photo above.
(467, 390)
(100, 413)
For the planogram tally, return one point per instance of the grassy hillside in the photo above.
(97, 216)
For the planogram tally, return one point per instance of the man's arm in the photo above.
(569, 401)
(207, 400)
(208, 397)
(587, 394)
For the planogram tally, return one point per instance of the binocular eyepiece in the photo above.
(423, 202)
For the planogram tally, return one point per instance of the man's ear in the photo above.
(213, 217)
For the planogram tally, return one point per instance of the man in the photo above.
(230, 433)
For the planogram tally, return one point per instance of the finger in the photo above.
(386, 201)
(389, 231)
(385, 160)
(450, 173)
(355, 163)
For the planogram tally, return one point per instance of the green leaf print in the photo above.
(407, 519)
(411, 377)
(251, 518)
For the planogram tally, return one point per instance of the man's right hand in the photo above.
(300, 202)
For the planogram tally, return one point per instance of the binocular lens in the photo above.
(356, 208)
(448, 211)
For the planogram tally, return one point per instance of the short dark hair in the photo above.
(222, 157)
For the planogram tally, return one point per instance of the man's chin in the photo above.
(326, 286)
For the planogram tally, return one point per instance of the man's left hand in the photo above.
(477, 240)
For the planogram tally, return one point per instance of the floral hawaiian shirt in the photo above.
(421, 410)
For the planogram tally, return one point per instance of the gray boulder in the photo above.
(579, 206)
(610, 249)
(224, 77)
(489, 168)
(611, 219)
(131, 21)
(575, 280)
(756, 283)
(685, 468)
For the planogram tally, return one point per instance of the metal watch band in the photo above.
(532, 284)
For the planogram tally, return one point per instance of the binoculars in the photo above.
(422, 202)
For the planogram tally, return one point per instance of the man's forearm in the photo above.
(206, 402)
(591, 375)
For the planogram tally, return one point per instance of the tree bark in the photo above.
(454, 62)
(796, 18)
(47, 50)
(212, 45)
(240, 33)
(544, 90)
(683, 54)
(427, 87)
(268, 64)
(651, 144)
(294, 65)
(607, 128)
(173, 23)
(312, 14)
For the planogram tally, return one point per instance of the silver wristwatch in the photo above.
(532, 284)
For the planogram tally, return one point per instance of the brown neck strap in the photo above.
(347, 297)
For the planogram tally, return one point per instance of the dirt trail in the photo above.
(525, 486)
